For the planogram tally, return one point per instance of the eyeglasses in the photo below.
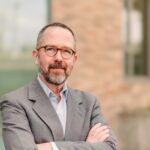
(51, 51)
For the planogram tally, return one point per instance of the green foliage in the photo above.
(12, 79)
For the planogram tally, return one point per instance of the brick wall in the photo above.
(100, 67)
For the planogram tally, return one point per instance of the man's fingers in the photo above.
(102, 135)
(103, 138)
(96, 126)
(98, 133)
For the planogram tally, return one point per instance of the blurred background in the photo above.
(113, 63)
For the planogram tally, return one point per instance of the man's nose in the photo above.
(58, 55)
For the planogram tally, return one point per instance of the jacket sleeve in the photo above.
(17, 134)
(109, 144)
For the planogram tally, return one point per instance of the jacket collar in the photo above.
(44, 109)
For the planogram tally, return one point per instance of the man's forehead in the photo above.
(57, 30)
(58, 36)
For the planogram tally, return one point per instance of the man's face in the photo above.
(56, 69)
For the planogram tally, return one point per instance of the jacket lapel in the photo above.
(75, 117)
(44, 109)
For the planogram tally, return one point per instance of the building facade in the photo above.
(101, 69)
(109, 65)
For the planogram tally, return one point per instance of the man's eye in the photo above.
(50, 49)
(68, 51)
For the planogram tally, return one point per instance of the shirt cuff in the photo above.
(54, 146)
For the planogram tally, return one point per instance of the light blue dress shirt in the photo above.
(60, 107)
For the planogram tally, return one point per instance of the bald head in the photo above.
(53, 25)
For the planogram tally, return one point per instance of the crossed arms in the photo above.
(18, 134)
(98, 133)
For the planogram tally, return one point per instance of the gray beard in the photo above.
(55, 78)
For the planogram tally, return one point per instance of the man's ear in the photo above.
(35, 56)
(75, 58)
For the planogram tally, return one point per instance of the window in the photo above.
(20, 22)
(135, 29)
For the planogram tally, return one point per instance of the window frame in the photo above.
(129, 56)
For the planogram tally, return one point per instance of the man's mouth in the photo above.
(56, 67)
(57, 70)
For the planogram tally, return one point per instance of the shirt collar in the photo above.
(49, 93)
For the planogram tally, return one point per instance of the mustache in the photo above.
(57, 66)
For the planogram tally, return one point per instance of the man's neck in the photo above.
(54, 88)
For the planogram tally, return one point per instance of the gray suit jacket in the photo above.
(30, 119)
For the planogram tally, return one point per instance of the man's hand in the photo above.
(44, 146)
(98, 133)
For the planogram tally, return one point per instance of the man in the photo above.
(47, 114)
